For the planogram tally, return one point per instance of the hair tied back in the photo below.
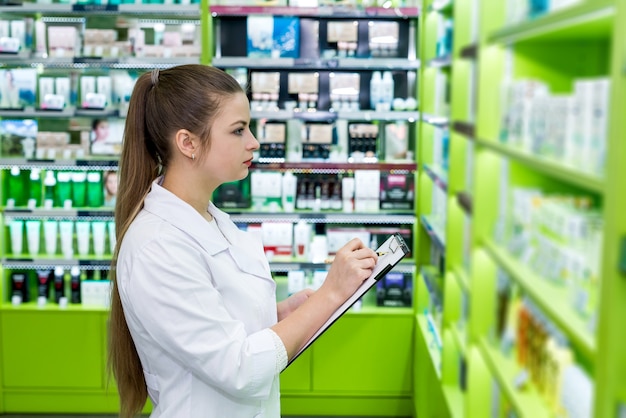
(154, 76)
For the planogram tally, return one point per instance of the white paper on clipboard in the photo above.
(393, 249)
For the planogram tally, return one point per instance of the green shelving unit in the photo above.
(584, 40)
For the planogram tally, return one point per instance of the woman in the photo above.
(194, 319)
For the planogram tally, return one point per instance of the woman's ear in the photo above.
(186, 143)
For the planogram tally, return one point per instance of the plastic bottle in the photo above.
(34, 199)
(302, 239)
(289, 191)
(49, 183)
(375, 89)
(387, 90)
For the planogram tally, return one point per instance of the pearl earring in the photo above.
(193, 157)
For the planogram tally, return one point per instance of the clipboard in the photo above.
(393, 249)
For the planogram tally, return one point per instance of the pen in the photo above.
(331, 259)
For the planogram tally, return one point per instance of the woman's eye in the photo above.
(239, 131)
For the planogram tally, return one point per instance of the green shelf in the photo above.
(548, 167)
(592, 19)
(455, 400)
(550, 297)
(437, 235)
(527, 402)
(433, 349)
(462, 278)
(459, 334)
(51, 307)
(442, 6)
(438, 175)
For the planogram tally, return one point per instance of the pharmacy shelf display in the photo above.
(334, 106)
(64, 67)
(76, 63)
(444, 206)
(533, 285)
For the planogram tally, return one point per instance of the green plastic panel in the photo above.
(429, 398)
(297, 377)
(31, 361)
(365, 354)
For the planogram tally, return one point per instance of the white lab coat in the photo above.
(198, 305)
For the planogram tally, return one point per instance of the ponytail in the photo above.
(183, 97)
(137, 171)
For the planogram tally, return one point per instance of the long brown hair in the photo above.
(162, 102)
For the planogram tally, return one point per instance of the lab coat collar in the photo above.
(169, 207)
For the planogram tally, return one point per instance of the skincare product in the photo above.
(289, 191)
(64, 189)
(98, 229)
(95, 197)
(19, 287)
(82, 237)
(75, 285)
(112, 236)
(318, 249)
(49, 183)
(59, 284)
(295, 281)
(15, 194)
(376, 89)
(67, 238)
(79, 188)
(35, 188)
(51, 232)
(17, 236)
(302, 239)
(43, 283)
(33, 235)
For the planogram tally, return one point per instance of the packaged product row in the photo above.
(314, 37)
(521, 10)
(328, 90)
(559, 236)
(393, 290)
(62, 139)
(320, 3)
(61, 285)
(363, 191)
(569, 128)
(541, 352)
(88, 37)
(56, 90)
(333, 141)
(36, 188)
(63, 239)
(315, 243)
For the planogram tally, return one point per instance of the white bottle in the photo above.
(289, 191)
(387, 90)
(301, 239)
(375, 89)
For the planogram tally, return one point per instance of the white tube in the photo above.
(98, 229)
(17, 236)
(51, 232)
(82, 238)
(67, 238)
(112, 236)
(33, 236)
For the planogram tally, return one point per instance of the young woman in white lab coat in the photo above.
(194, 320)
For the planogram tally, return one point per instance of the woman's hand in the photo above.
(352, 265)
(287, 306)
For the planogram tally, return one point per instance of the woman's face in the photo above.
(232, 143)
(102, 130)
(111, 184)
